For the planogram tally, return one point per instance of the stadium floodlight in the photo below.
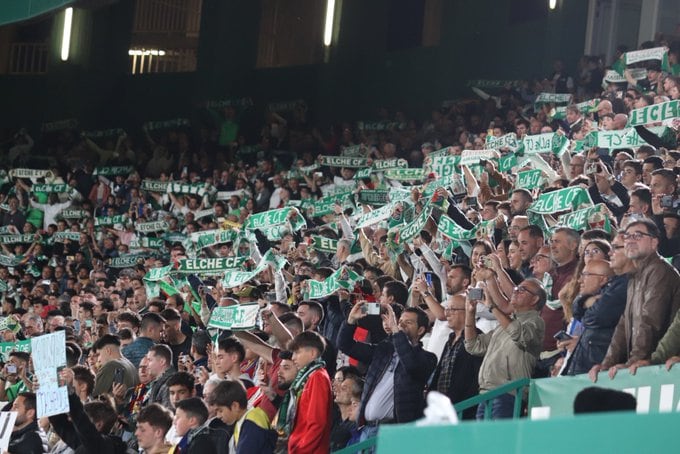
(328, 30)
(552, 4)
(66, 35)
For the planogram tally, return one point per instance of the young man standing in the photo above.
(190, 416)
(153, 423)
(305, 413)
(252, 428)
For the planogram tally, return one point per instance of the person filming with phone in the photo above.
(511, 350)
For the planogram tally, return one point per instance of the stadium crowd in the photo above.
(531, 231)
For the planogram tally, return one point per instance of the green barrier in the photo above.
(358, 447)
(605, 433)
(515, 387)
(19, 10)
(653, 387)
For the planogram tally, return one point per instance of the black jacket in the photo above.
(410, 376)
(27, 440)
(80, 433)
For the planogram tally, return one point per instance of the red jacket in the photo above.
(312, 430)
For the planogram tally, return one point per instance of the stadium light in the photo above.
(133, 52)
(66, 35)
(552, 4)
(328, 30)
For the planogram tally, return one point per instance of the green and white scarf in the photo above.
(655, 113)
(30, 173)
(113, 171)
(51, 188)
(566, 199)
(635, 56)
(288, 408)
(343, 161)
(210, 265)
(343, 278)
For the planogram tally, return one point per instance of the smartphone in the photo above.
(118, 375)
(270, 296)
(11, 368)
(371, 308)
(476, 294)
(486, 261)
(88, 323)
(666, 201)
(562, 336)
(472, 201)
(428, 278)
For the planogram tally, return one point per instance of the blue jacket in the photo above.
(599, 322)
(410, 376)
(135, 351)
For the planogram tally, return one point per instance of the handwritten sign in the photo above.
(7, 419)
(49, 355)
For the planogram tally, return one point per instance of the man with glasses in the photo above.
(599, 305)
(653, 299)
(511, 350)
(457, 371)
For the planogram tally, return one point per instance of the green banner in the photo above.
(155, 185)
(507, 162)
(210, 265)
(374, 196)
(344, 278)
(507, 141)
(343, 161)
(585, 107)
(199, 189)
(409, 231)
(156, 274)
(51, 188)
(9, 261)
(652, 386)
(268, 219)
(444, 166)
(613, 77)
(212, 237)
(326, 205)
(471, 157)
(655, 113)
(375, 216)
(588, 218)
(74, 214)
(8, 347)
(233, 279)
(405, 174)
(545, 143)
(238, 317)
(529, 179)
(126, 261)
(155, 226)
(110, 220)
(553, 98)
(30, 173)
(60, 237)
(636, 56)
(147, 243)
(441, 152)
(381, 165)
(113, 171)
(323, 244)
(15, 239)
(625, 138)
(566, 199)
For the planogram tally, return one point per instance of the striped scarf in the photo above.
(288, 407)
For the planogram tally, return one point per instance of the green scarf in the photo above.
(288, 408)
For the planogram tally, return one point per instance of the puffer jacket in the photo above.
(652, 301)
(599, 322)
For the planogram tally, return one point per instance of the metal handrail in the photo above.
(487, 397)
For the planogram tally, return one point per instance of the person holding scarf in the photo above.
(305, 413)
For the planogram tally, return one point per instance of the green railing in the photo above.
(358, 447)
(486, 399)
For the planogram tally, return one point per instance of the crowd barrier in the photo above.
(551, 421)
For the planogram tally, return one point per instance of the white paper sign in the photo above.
(49, 355)
(7, 419)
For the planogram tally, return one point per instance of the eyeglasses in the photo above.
(636, 236)
(586, 274)
(449, 310)
(617, 247)
(539, 257)
(522, 289)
